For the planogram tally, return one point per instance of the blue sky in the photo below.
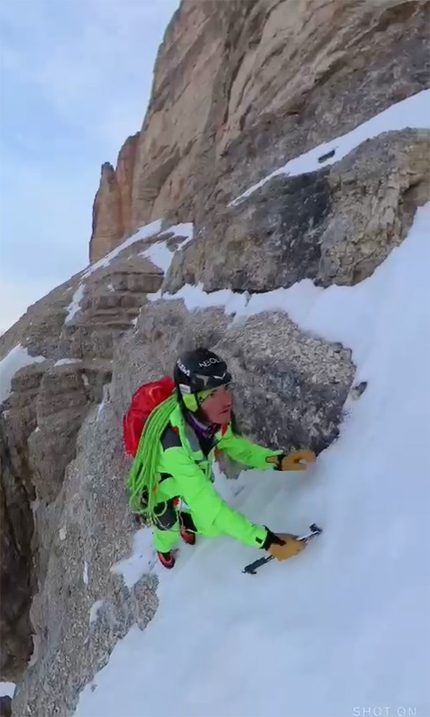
(75, 82)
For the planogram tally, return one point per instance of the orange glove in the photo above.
(284, 545)
(292, 461)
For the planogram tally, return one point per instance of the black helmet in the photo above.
(200, 370)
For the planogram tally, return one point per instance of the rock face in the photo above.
(18, 578)
(74, 329)
(87, 528)
(241, 87)
(335, 225)
(112, 204)
(5, 706)
(309, 376)
(83, 608)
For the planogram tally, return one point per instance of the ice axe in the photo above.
(252, 568)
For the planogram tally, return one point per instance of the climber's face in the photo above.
(218, 406)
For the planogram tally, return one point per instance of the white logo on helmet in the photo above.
(183, 368)
(209, 362)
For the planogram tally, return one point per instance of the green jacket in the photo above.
(187, 473)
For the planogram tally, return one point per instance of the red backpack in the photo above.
(143, 402)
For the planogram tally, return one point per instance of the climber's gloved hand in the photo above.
(292, 461)
(283, 546)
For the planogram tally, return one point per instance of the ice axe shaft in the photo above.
(314, 530)
(253, 567)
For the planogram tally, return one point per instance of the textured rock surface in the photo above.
(239, 88)
(300, 385)
(242, 86)
(83, 608)
(112, 204)
(334, 225)
(297, 382)
(17, 575)
(5, 706)
(40, 420)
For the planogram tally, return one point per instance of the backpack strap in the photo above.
(192, 438)
(170, 438)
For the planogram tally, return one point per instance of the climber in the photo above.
(180, 449)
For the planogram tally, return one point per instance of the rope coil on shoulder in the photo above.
(143, 477)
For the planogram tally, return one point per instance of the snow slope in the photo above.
(74, 306)
(7, 688)
(158, 253)
(343, 629)
(145, 232)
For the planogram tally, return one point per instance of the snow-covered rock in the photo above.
(54, 365)
(242, 87)
(322, 633)
(312, 286)
(331, 224)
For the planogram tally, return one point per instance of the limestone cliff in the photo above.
(112, 204)
(242, 86)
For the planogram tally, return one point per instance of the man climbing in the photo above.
(175, 456)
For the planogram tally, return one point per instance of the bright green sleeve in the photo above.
(243, 451)
(206, 505)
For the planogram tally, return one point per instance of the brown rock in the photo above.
(107, 224)
(241, 87)
(335, 225)
(124, 175)
(112, 204)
